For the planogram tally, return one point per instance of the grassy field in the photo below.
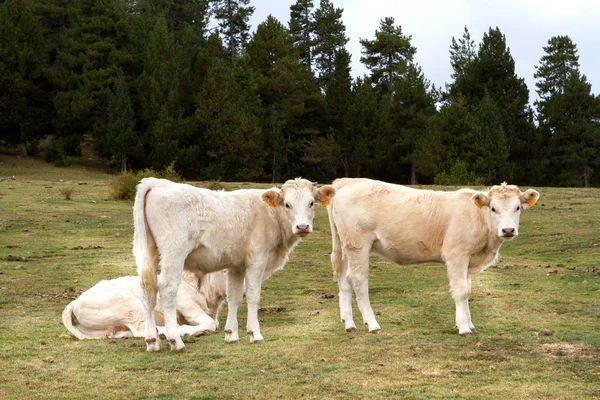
(547, 279)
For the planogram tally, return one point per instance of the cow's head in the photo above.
(296, 201)
(504, 204)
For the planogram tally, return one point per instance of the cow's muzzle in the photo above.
(508, 233)
(302, 230)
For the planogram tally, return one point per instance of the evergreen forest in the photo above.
(190, 84)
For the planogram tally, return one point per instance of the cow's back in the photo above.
(404, 224)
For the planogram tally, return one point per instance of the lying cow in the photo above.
(114, 308)
(463, 229)
(249, 232)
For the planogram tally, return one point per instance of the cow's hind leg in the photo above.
(151, 333)
(168, 285)
(358, 274)
(345, 299)
(459, 288)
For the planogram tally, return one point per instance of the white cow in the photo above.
(249, 232)
(113, 308)
(463, 229)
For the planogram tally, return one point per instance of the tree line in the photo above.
(151, 84)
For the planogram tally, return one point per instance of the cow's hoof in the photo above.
(466, 334)
(232, 341)
(351, 329)
(177, 345)
(257, 341)
(152, 344)
(375, 330)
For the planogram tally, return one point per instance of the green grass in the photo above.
(418, 354)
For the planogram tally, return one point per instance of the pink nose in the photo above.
(508, 231)
(302, 228)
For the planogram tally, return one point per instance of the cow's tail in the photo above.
(336, 245)
(144, 246)
(67, 320)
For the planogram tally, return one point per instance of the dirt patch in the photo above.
(271, 309)
(561, 349)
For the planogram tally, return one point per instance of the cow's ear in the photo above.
(529, 197)
(272, 198)
(324, 195)
(480, 200)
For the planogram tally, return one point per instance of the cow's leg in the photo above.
(471, 326)
(235, 293)
(253, 281)
(151, 333)
(459, 288)
(358, 272)
(168, 285)
(345, 299)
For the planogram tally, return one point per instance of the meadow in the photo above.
(51, 249)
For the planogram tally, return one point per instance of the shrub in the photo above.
(214, 185)
(123, 186)
(67, 192)
(458, 176)
(54, 152)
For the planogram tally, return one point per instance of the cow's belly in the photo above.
(403, 250)
(205, 260)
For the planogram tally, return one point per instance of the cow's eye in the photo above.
(518, 208)
(288, 205)
(493, 209)
(312, 203)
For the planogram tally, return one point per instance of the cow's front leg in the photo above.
(471, 326)
(459, 288)
(168, 283)
(235, 294)
(253, 286)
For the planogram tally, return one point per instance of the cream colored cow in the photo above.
(463, 229)
(113, 308)
(248, 232)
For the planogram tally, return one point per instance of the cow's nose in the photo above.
(508, 231)
(302, 227)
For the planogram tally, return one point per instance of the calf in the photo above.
(463, 229)
(114, 308)
(248, 232)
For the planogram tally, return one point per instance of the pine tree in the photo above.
(411, 107)
(94, 49)
(567, 116)
(337, 102)
(556, 66)
(25, 98)
(283, 85)
(232, 133)
(573, 134)
(462, 54)
(301, 27)
(330, 37)
(121, 138)
(233, 16)
(388, 55)
(158, 87)
(493, 72)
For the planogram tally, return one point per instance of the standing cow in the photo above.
(249, 232)
(463, 229)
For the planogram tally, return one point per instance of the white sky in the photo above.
(527, 25)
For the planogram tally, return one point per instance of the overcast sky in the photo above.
(527, 25)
